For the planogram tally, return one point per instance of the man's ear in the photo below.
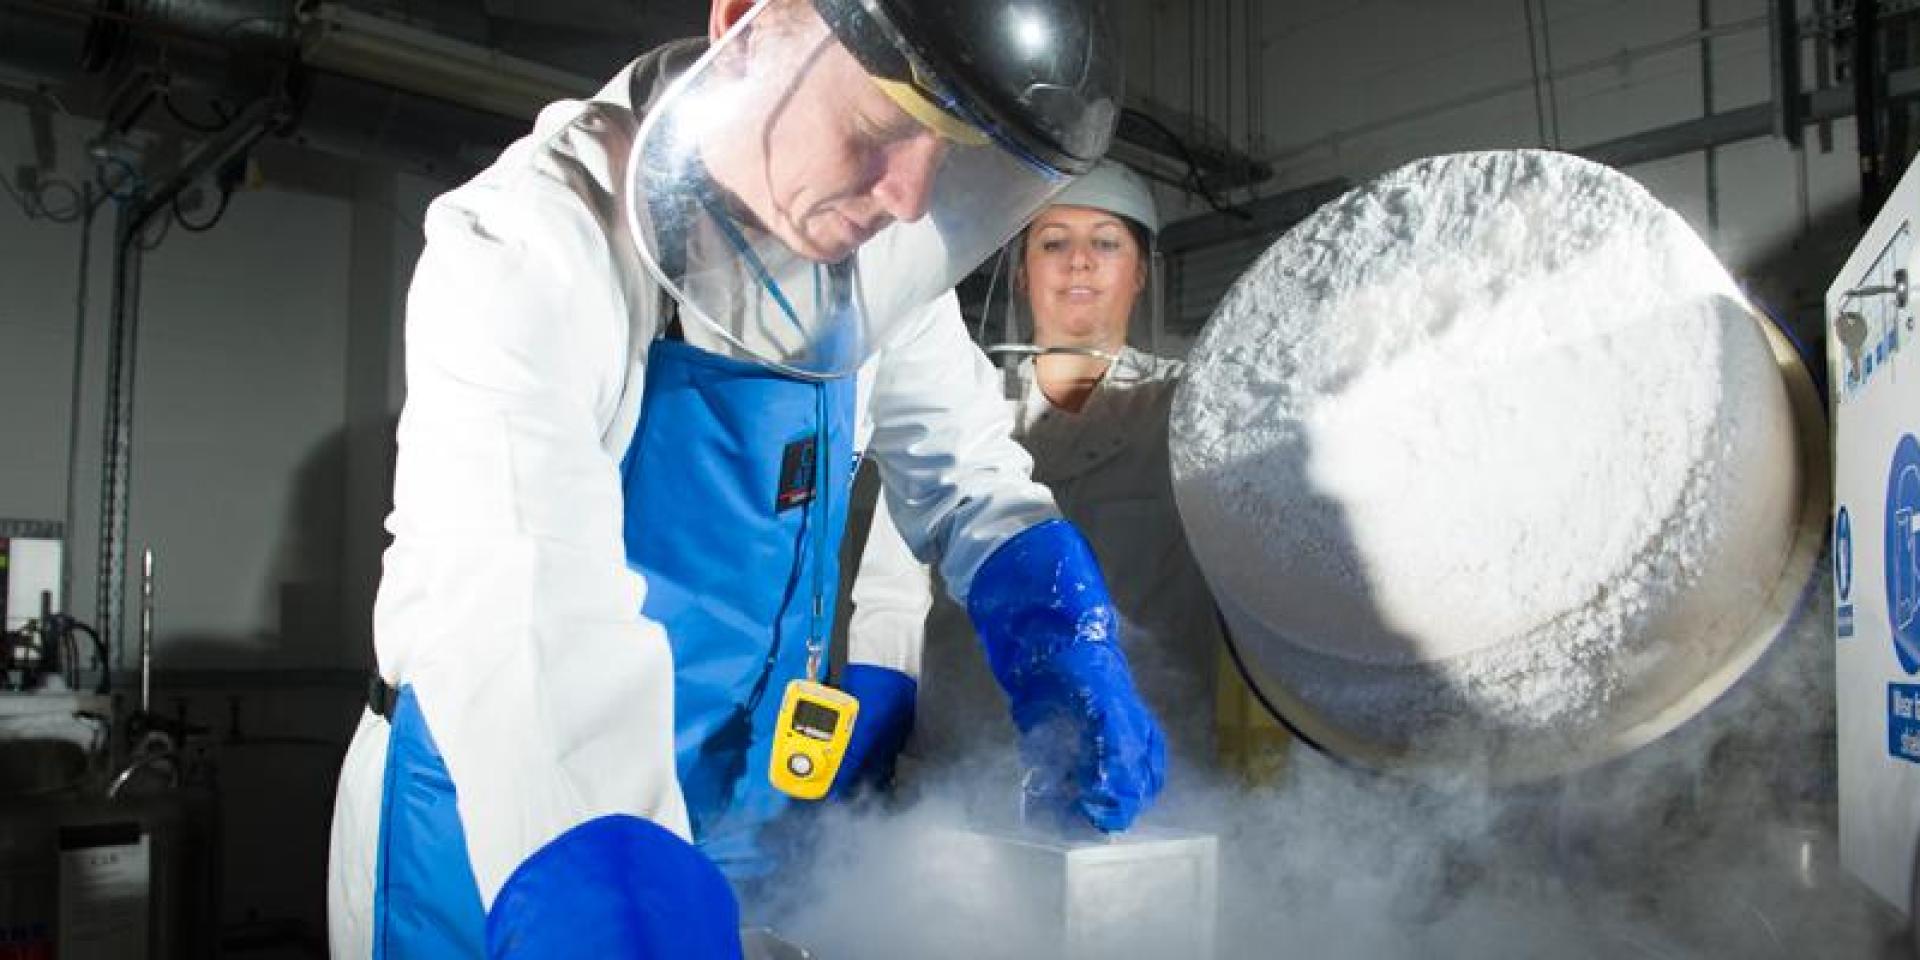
(725, 14)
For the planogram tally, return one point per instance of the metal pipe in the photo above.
(71, 516)
(1866, 105)
(1546, 61)
(247, 129)
(1711, 156)
(146, 631)
(117, 434)
(1822, 68)
(1786, 73)
(1539, 83)
(1617, 61)
(215, 20)
(272, 22)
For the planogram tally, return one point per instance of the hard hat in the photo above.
(1043, 76)
(801, 194)
(1112, 187)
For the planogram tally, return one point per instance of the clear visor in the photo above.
(799, 209)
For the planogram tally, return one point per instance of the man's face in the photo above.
(823, 158)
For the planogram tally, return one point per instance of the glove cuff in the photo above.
(887, 699)
(1038, 594)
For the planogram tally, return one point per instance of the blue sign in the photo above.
(1903, 722)
(1843, 574)
(1902, 557)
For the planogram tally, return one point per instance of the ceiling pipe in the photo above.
(268, 23)
(42, 45)
(114, 29)
(337, 38)
(1867, 106)
(342, 41)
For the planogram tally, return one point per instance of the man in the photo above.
(642, 349)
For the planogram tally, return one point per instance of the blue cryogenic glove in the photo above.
(1052, 640)
(880, 731)
(618, 886)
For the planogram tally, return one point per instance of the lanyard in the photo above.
(836, 298)
(731, 231)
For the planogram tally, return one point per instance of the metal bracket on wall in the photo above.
(1201, 164)
(1266, 217)
(1822, 24)
(33, 529)
(1743, 123)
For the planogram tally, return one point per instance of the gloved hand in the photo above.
(887, 700)
(616, 886)
(1052, 640)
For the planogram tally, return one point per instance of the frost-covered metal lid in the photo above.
(1490, 463)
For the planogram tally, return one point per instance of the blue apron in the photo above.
(736, 487)
(734, 515)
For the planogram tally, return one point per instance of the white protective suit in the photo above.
(507, 603)
(1107, 467)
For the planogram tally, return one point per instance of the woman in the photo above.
(1092, 411)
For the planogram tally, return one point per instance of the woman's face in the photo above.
(1083, 269)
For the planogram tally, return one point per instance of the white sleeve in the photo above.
(957, 484)
(507, 602)
(891, 595)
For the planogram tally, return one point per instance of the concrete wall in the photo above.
(267, 382)
(268, 359)
(1354, 89)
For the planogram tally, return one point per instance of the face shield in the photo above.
(809, 186)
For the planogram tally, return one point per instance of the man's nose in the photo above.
(905, 187)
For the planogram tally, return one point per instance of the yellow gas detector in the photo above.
(816, 721)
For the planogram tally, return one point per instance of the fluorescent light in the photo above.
(347, 41)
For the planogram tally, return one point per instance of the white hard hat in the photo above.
(1112, 187)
